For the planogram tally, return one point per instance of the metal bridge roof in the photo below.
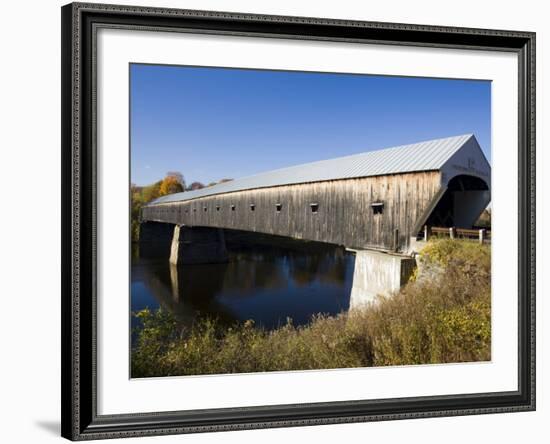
(423, 156)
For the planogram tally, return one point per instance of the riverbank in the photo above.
(441, 319)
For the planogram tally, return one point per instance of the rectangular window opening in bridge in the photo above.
(205, 208)
(314, 207)
(232, 207)
(217, 208)
(278, 207)
(377, 207)
(252, 207)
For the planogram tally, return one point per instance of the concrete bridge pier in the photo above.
(378, 273)
(198, 245)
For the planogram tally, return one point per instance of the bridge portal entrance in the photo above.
(462, 203)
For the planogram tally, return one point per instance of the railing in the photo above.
(482, 234)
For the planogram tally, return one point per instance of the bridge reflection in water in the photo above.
(266, 279)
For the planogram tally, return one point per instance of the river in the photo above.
(267, 279)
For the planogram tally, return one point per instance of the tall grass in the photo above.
(443, 319)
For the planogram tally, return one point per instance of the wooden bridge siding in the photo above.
(344, 217)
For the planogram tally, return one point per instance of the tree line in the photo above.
(173, 182)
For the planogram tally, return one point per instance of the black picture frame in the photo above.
(79, 396)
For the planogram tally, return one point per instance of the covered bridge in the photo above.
(375, 200)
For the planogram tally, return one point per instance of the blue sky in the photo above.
(213, 123)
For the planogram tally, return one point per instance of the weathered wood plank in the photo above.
(345, 214)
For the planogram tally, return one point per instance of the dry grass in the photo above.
(440, 320)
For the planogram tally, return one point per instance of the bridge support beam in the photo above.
(378, 273)
(198, 245)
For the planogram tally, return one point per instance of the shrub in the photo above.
(444, 319)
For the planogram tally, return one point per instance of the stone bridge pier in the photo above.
(183, 244)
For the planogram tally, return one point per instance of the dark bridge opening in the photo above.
(461, 204)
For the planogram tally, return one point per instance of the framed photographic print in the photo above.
(279, 221)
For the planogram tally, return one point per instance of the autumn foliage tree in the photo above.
(170, 185)
(143, 195)
(150, 192)
(178, 176)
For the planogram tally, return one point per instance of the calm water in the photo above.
(265, 280)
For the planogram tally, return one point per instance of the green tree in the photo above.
(151, 192)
